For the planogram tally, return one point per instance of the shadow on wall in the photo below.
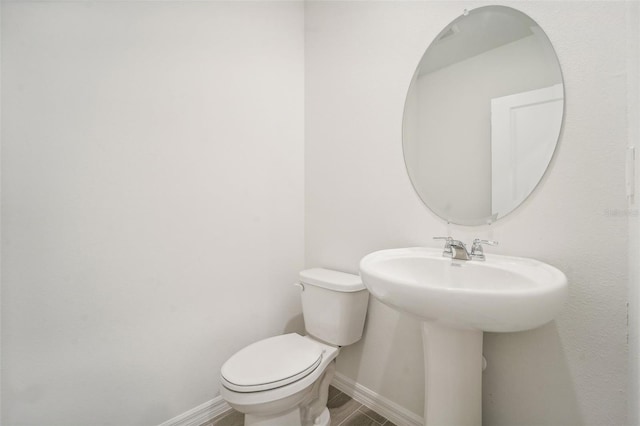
(295, 325)
(388, 360)
(408, 361)
(508, 362)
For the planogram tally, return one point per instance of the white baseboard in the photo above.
(381, 405)
(200, 414)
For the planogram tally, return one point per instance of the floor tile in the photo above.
(234, 418)
(359, 419)
(341, 407)
(369, 412)
(333, 392)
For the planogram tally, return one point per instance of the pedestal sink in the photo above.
(457, 301)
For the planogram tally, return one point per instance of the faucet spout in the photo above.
(459, 250)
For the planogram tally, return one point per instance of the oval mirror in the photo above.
(482, 115)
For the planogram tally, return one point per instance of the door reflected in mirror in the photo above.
(482, 116)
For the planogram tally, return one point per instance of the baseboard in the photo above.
(200, 414)
(381, 405)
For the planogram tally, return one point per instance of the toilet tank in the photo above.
(334, 305)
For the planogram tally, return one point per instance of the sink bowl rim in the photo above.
(509, 263)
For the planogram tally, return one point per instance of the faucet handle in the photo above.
(447, 246)
(476, 249)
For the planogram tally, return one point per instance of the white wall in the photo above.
(153, 150)
(152, 201)
(360, 57)
(1, 363)
(633, 115)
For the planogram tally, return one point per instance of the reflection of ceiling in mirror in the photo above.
(474, 34)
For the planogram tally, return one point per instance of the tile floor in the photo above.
(344, 412)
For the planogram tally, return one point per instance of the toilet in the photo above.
(284, 380)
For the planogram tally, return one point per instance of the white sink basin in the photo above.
(457, 301)
(500, 294)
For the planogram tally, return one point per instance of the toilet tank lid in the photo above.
(332, 280)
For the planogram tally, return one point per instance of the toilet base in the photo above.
(289, 418)
(324, 419)
(312, 411)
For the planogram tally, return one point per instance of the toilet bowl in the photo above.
(284, 380)
(277, 396)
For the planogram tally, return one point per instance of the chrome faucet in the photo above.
(476, 249)
(456, 249)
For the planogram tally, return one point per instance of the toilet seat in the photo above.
(271, 363)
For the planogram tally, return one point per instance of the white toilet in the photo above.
(284, 380)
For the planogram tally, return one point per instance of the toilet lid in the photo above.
(271, 363)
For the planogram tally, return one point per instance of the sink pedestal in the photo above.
(453, 375)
